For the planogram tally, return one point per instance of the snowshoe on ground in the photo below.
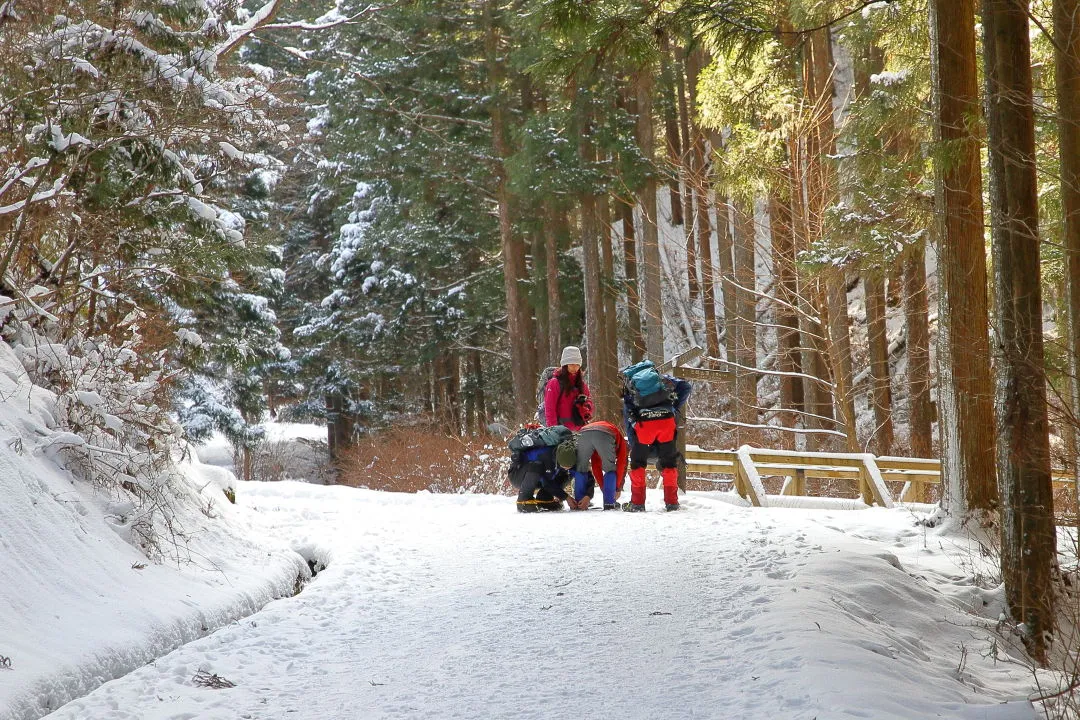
(633, 507)
(612, 506)
(671, 506)
(537, 505)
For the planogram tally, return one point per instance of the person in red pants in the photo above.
(649, 429)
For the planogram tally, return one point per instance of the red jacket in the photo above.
(558, 405)
(622, 451)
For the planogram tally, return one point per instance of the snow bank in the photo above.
(82, 605)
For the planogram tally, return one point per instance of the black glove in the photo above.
(581, 399)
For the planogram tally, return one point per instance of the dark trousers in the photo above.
(541, 485)
(667, 454)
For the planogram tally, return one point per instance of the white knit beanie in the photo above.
(571, 356)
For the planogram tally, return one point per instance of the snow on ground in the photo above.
(455, 606)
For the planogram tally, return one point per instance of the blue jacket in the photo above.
(542, 455)
(680, 395)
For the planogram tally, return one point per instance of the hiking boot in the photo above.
(671, 506)
(612, 506)
(537, 505)
(633, 507)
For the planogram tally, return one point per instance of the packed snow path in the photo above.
(458, 607)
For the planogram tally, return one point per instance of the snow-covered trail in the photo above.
(458, 607)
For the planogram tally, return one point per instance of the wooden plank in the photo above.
(874, 484)
(762, 456)
(755, 491)
(908, 477)
(704, 467)
(710, 455)
(897, 463)
(681, 359)
(702, 374)
(800, 482)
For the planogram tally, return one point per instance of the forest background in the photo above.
(374, 213)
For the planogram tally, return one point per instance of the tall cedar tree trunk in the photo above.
(965, 400)
(920, 417)
(672, 141)
(1067, 78)
(787, 321)
(700, 187)
(538, 273)
(630, 265)
(808, 161)
(873, 278)
(448, 381)
(804, 152)
(745, 325)
(1028, 548)
(594, 307)
(472, 421)
(609, 317)
(878, 343)
(555, 233)
(724, 255)
(686, 171)
(840, 353)
(650, 239)
(635, 340)
(523, 362)
(817, 400)
(823, 195)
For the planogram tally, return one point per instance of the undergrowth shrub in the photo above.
(422, 458)
(112, 429)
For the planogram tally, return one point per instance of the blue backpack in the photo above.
(647, 387)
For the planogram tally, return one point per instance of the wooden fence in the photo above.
(868, 473)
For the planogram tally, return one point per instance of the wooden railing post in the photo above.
(873, 485)
(752, 488)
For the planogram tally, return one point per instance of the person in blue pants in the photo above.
(600, 458)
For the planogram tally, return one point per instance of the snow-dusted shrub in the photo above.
(418, 458)
(112, 426)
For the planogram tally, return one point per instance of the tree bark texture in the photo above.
(878, 342)
(672, 141)
(724, 252)
(920, 413)
(687, 171)
(1028, 543)
(591, 270)
(702, 223)
(633, 300)
(965, 396)
(822, 187)
(653, 307)
(609, 290)
(1067, 79)
(523, 362)
(745, 325)
(788, 359)
(554, 234)
(604, 371)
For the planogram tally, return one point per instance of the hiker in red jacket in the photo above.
(567, 400)
(602, 455)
